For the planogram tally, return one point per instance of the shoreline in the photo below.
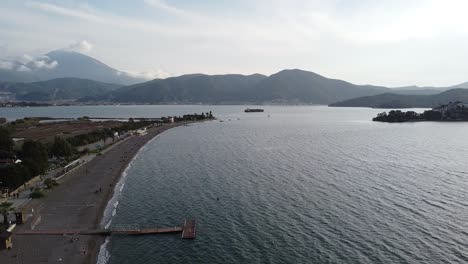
(110, 195)
(114, 197)
(79, 202)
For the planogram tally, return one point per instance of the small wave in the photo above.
(111, 209)
(108, 224)
(434, 204)
(104, 255)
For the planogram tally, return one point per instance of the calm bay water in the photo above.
(297, 185)
(306, 185)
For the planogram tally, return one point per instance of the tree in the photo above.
(14, 176)
(61, 148)
(36, 194)
(35, 157)
(106, 133)
(6, 143)
(50, 183)
(5, 209)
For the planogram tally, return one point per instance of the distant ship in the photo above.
(248, 110)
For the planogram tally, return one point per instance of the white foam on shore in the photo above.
(104, 255)
(111, 211)
(111, 208)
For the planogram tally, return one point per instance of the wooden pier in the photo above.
(188, 231)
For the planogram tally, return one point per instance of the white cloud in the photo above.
(6, 65)
(29, 63)
(161, 4)
(64, 11)
(44, 62)
(82, 46)
(85, 13)
(23, 68)
(3, 49)
(26, 58)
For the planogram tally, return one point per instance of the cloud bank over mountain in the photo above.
(82, 46)
(391, 43)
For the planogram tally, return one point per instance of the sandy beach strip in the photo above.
(75, 204)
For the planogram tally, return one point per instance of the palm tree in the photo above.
(5, 209)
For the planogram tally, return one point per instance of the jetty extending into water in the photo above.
(188, 231)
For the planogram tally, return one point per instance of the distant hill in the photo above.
(16, 76)
(63, 64)
(288, 86)
(57, 89)
(308, 87)
(416, 90)
(193, 88)
(389, 100)
(461, 85)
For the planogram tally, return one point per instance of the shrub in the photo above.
(36, 194)
(50, 183)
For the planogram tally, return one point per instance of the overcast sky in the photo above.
(392, 43)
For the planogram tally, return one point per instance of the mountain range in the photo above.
(70, 76)
(61, 89)
(63, 64)
(390, 100)
(287, 86)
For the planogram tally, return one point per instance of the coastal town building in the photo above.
(141, 132)
(7, 158)
(19, 217)
(5, 240)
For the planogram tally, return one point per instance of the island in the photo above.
(453, 111)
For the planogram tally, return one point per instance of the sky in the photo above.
(391, 43)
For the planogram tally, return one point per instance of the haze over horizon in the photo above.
(392, 44)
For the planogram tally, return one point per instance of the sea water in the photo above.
(300, 185)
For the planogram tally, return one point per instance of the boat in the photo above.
(248, 110)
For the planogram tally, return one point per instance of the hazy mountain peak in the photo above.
(298, 71)
(61, 64)
(62, 54)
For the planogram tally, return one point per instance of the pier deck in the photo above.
(188, 231)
